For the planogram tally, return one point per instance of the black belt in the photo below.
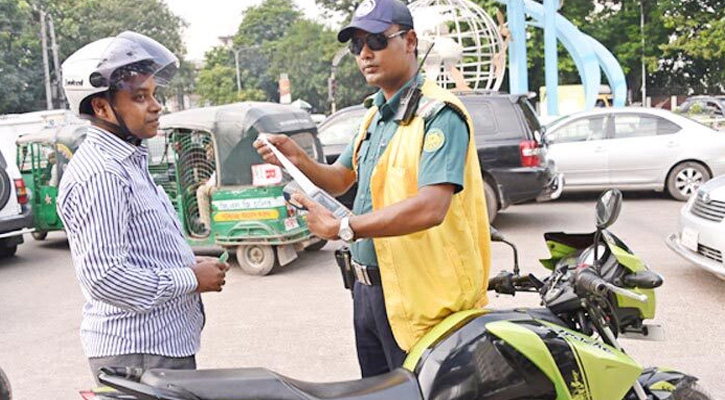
(367, 275)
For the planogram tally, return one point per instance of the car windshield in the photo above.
(340, 129)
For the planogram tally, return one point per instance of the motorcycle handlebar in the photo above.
(587, 281)
(508, 283)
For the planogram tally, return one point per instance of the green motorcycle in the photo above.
(598, 290)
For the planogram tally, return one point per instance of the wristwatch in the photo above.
(345, 233)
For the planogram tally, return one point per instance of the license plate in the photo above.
(689, 238)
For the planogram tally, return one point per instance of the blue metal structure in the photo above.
(590, 56)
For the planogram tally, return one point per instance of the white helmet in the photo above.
(110, 62)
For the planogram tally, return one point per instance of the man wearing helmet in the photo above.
(140, 278)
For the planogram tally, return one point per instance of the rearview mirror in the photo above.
(608, 206)
(496, 236)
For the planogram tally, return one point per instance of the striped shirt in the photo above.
(129, 253)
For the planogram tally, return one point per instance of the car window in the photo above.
(342, 129)
(712, 107)
(530, 115)
(484, 123)
(581, 130)
(494, 118)
(634, 125)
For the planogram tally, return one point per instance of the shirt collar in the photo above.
(113, 146)
(388, 109)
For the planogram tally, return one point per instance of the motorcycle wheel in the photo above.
(5, 392)
(691, 392)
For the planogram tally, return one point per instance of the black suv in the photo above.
(510, 149)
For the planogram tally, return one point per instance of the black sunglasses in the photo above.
(375, 41)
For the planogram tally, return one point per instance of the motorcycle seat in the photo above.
(262, 384)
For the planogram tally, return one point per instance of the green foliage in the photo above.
(272, 39)
(77, 22)
(217, 86)
(266, 22)
(20, 78)
(684, 42)
(309, 67)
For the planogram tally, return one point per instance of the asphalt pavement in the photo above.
(298, 320)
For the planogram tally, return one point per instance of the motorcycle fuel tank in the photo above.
(518, 355)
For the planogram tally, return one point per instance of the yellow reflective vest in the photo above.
(431, 274)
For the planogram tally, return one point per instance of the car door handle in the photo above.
(599, 149)
(672, 144)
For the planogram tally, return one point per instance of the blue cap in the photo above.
(375, 16)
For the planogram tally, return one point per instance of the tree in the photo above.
(21, 75)
(309, 66)
(696, 52)
(77, 22)
(216, 82)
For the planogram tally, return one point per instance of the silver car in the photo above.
(635, 148)
(700, 238)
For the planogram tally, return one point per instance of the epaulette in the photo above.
(457, 110)
(429, 108)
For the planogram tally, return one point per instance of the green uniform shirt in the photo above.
(442, 162)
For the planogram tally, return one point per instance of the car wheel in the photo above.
(256, 259)
(5, 188)
(5, 391)
(8, 251)
(685, 178)
(491, 201)
(39, 235)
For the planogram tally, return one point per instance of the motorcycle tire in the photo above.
(691, 392)
(5, 392)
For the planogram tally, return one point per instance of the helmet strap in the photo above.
(121, 130)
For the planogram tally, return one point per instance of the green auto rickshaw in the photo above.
(224, 193)
(42, 158)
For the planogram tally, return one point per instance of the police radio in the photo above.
(411, 96)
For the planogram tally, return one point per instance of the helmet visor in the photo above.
(131, 59)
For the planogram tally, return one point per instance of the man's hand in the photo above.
(285, 145)
(319, 219)
(210, 275)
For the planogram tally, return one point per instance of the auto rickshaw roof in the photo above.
(235, 121)
(62, 133)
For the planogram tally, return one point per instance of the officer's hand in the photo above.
(319, 219)
(210, 275)
(285, 145)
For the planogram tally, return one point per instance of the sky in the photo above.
(209, 19)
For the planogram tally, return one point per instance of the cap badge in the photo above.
(365, 8)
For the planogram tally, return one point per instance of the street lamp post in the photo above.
(236, 64)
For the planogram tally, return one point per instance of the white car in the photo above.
(15, 215)
(635, 148)
(701, 234)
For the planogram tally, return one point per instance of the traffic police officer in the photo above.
(419, 233)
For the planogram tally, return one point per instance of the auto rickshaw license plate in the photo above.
(291, 223)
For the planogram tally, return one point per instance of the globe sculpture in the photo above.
(469, 51)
